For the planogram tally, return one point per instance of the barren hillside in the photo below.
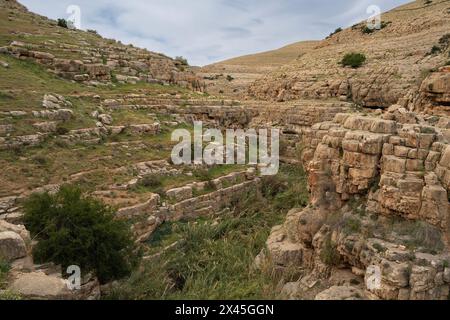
(246, 69)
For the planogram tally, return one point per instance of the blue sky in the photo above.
(207, 31)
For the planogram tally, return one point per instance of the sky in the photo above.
(208, 31)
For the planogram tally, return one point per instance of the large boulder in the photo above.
(12, 246)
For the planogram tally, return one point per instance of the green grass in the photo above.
(214, 257)
(4, 269)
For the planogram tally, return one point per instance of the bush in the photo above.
(4, 269)
(73, 229)
(182, 61)
(229, 78)
(202, 174)
(62, 23)
(367, 30)
(335, 32)
(329, 254)
(354, 60)
(151, 182)
(435, 50)
(61, 131)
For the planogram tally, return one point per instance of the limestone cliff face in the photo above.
(379, 202)
(398, 57)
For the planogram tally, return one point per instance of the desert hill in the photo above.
(412, 42)
(246, 69)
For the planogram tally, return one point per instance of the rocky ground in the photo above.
(373, 141)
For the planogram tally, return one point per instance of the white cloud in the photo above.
(207, 31)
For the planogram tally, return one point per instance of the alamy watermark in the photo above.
(374, 20)
(74, 18)
(74, 280)
(239, 146)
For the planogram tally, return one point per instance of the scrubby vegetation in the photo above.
(73, 229)
(335, 32)
(213, 258)
(367, 30)
(4, 268)
(354, 60)
(182, 61)
(62, 23)
(329, 255)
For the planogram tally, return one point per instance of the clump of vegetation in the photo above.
(40, 160)
(113, 77)
(61, 131)
(352, 226)
(442, 46)
(368, 30)
(229, 78)
(63, 23)
(4, 269)
(435, 50)
(335, 32)
(288, 189)
(379, 248)
(153, 183)
(354, 60)
(182, 61)
(202, 174)
(73, 229)
(329, 254)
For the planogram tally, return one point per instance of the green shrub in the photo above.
(40, 160)
(73, 229)
(335, 32)
(329, 254)
(4, 269)
(150, 182)
(182, 61)
(202, 174)
(367, 30)
(61, 131)
(354, 60)
(62, 23)
(352, 226)
(435, 50)
(229, 78)
(9, 296)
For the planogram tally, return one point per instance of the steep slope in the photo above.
(246, 69)
(399, 57)
(84, 56)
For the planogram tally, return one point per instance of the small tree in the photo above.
(62, 23)
(182, 61)
(354, 60)
(73, 229)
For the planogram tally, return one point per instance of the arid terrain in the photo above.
(360, 207)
